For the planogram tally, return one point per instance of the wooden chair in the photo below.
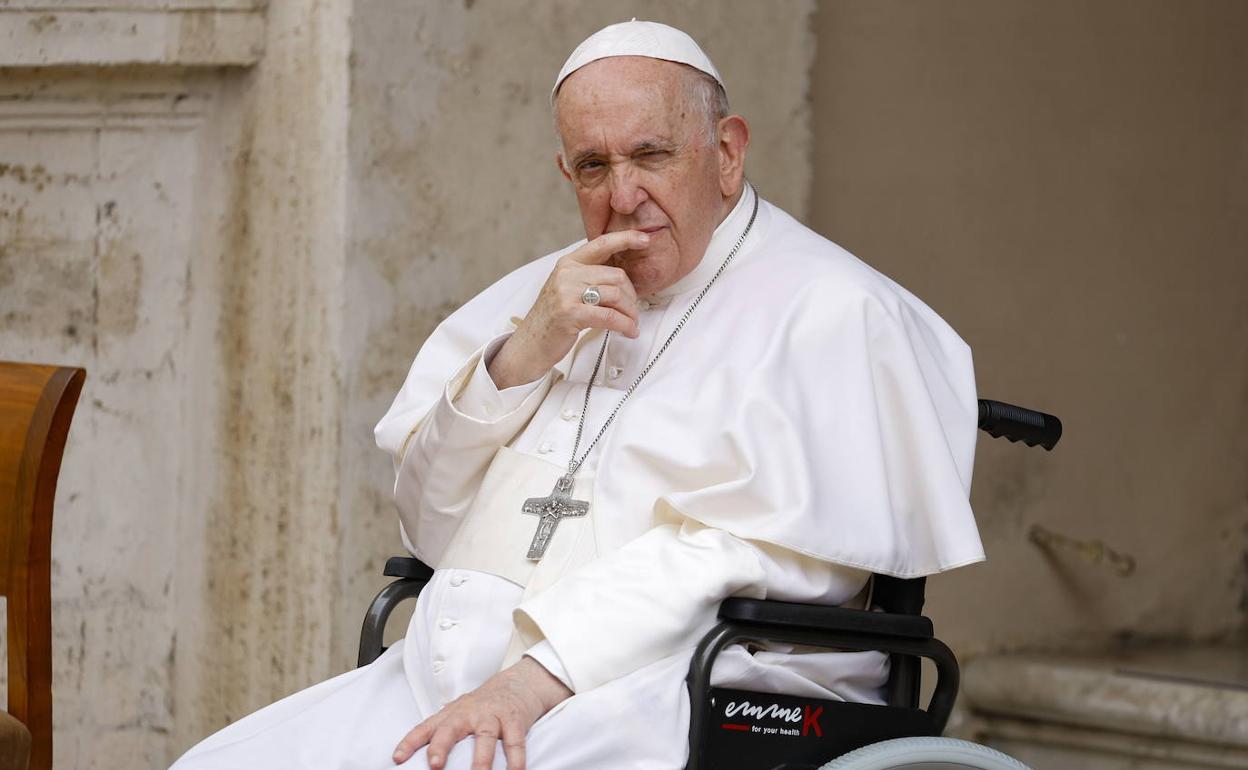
(36, 406)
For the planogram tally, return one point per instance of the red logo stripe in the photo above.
(727, 726)
(811, 721)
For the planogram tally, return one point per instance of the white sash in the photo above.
(494, 535)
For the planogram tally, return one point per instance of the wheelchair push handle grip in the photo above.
(1016, 423)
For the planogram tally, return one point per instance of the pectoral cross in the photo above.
(551, 509)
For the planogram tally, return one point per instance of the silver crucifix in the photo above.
(551, 509)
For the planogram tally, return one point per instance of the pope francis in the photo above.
(702, 399)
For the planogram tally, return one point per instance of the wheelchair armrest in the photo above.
(908, 636)
(407, 567)
(816, 617)
(412, 576)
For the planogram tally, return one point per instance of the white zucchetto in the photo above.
(638, 38)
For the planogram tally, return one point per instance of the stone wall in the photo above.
(1067, 183)
(107, 251)
(173, 222)
(243, 218)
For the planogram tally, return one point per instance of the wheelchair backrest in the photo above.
(902, 597)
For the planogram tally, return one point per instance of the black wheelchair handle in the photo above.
(407, 567)
(412, 576)
(1001, 420)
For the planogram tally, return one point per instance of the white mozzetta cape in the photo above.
(810, 403)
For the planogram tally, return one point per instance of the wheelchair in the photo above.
(742, 730)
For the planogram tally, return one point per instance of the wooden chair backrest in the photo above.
(36, 406)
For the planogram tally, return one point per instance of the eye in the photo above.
(590, 167)
(590, 171)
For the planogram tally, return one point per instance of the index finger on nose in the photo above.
(602, 248)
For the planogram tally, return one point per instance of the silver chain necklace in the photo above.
(559, 504)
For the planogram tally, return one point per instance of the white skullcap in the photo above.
(638, 38)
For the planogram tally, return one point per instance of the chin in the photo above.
(644, 277)
(644, 270)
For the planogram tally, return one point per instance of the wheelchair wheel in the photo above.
(925, 754)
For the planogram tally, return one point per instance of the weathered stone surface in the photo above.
(271, 546)
(48, 33)
(1197, 694)
(1168, 708)
(98, 259)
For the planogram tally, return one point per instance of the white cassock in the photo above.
(812, 424)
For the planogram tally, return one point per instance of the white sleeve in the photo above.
(481, 399)
(661, 592)
(544, 653)
(448, 451)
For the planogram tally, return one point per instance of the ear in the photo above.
(562, 168)
(734, 138)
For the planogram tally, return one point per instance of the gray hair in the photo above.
(706, 92)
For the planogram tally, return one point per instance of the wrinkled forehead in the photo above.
(614, 106)
(605, 88)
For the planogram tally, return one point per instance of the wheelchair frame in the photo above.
(899, 629)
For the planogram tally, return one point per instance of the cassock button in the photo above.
(644, 304)
(546, 447)
(568, 414)
(614, 372)
(458, 581)
(438, 666)
(446, 624)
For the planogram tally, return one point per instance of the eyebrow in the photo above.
(649, 144)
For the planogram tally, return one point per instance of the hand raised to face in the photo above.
(559, 314)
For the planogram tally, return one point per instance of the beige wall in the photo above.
(1067, 183)
(171, 220)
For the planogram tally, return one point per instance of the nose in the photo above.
(626, 193)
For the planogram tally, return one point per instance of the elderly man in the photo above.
(703, 399)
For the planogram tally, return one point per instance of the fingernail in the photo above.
(645, 237)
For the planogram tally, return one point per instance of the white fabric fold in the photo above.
(811, 408)
(660, 593)
(850, 439)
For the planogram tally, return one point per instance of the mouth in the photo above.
(651, 230)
